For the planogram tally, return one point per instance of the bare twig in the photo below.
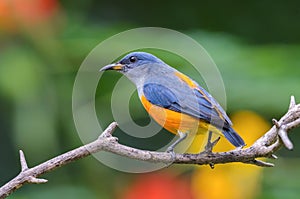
(265, 146)
(29, 175)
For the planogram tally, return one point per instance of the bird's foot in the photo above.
(170, 150)
(210, 145)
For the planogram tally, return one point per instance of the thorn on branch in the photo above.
(23, 162)
(34, 180)
(284, 137)
(292, 102)
(260, 163)
(282, 131)
(109, 130)
(272, 156)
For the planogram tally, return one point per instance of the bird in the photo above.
(174, 100)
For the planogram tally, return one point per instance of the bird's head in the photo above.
(136, 61)
(139, 67)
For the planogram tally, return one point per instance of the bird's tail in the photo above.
(233, 137)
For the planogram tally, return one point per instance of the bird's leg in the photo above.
(210, 145)
(170, 149)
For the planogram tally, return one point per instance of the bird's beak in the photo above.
(116, 66)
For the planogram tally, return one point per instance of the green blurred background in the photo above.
(255, 44)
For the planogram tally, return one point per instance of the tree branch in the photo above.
(265, 146)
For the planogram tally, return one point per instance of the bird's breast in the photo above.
(173, 121)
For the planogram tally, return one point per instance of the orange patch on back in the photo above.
(186, 79)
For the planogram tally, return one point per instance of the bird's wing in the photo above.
(197, 103)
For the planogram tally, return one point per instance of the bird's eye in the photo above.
(132, 59)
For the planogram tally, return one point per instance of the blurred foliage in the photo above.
(255, 45)
(263, 21)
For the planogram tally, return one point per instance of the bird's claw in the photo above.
(172, 152)
(210, 145)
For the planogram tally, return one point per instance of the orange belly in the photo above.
(174, 121)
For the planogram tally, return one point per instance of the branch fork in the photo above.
(24, 167)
